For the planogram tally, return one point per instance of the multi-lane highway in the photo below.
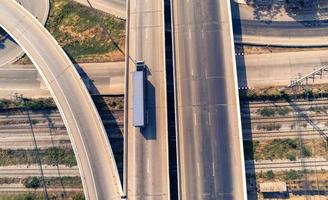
(211, 165)
(94, 155)
(147, 148)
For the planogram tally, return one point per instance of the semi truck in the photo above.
(139, 89)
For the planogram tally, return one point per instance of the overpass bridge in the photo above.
(89, 140)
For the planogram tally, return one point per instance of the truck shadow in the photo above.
(149, 131)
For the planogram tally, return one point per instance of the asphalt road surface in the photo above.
(9, 50)
(211, 165)
(278, 33)
(279, 69)
(99, 78)
(114, 7)
(95, 158)
(147, 148)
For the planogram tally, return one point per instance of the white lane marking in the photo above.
(189, 34)
(198, 170)
(146, 34)
(148, 166)
(209, 117)
(213, 169)
(195, 118)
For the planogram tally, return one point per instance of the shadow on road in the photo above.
(244, 109)
(301, 11)
(149, 131)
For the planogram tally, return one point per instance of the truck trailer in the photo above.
(139, 88)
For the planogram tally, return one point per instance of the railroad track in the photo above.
(5, 188)
(287, 165)
(48, 171)
(288, 119)
(252, 105)
(310, 134)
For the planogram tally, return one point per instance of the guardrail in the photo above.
(311, 75)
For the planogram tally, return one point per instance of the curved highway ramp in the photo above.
(95, 159)
(211, 165)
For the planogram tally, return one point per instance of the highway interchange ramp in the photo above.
(94, 155)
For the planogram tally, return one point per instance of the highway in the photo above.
(147, 149)
(9, 50)
(114, 7)
(87, 133)
(211, 163)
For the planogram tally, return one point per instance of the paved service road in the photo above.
(279, 69)
(99, 78)
(114, 7)
(282, 30)
(211, 165)
(9, 50)
(147, 149)
(95, 159)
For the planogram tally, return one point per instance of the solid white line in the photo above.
(198, 170)
(148, 166)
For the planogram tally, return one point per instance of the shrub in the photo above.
(306, 151)
(292, 175)
(291, 157)
(266, 112)
(32, 182)
(269, 175)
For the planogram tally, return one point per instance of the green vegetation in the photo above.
(276, 149)
(5, 180)
(40, 196)
(269, 175)
(87, 35)
(51, 156)
(269, 127)
(293, 175)
(32, 182)
(37, 182)
(277, 94)
(270, 112)
(287, 175)
(306, 151)
(32, 104)
(266, 112)
(34, 121)
(291, 157)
